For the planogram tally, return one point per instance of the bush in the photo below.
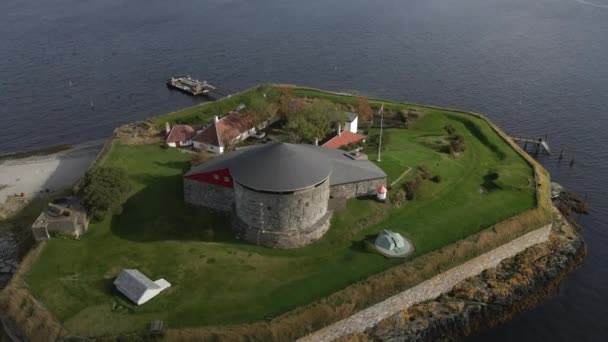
(457, 143)
(199, 158)
(449, 129)
(412, 186)
(398, 197)
(436, 179)
(103, 191)
(424, 172)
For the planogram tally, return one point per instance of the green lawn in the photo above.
(218, 280)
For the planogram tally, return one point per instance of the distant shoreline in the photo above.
(49, 150)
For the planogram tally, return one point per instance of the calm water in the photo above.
(72, 70)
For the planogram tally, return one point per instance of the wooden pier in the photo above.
(538, 142)
(195, 87)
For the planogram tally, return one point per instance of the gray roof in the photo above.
(343, 116)
(281, 167)
(350, 116)
(134, 284)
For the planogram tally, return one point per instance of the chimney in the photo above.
(339, 129)
(316, 141)
(216, 119)
(167, 127)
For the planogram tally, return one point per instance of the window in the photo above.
(216, 176)
(226, 179)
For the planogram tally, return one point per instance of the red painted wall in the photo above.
(220, 177)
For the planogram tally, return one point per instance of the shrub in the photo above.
(449, 129)
(199, 158)
(436, 179)
(424, 172)
(398, 197)
(457, 143)
(103, 191)
(412, 186)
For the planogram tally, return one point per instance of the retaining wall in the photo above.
(429, 289)
(357, 189)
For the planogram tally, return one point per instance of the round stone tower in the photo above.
(281, 193)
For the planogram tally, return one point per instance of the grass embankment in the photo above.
(218, 280)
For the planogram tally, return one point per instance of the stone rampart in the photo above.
(284, 219)
(208, 195)
(351, 190)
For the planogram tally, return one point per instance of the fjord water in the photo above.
(72, 70)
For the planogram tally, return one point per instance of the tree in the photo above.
(365, 112)
(313, 122)
(259, 109)
(103, 191)
(285, 104)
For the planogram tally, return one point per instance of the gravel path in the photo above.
(428, 289)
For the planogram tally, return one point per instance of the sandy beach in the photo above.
(34, 175)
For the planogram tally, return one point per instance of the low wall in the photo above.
(351, 190)
(208, 195)
(429, 289)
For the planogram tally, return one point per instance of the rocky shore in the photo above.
(494, 296)
(8, 257)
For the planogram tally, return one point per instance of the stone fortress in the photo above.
(279, 193)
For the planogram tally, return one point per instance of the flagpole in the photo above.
(381, 119)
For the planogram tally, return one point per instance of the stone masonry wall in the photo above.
(429, 289)
(283, 216)
(282, 238)
(208, 195)
(351, 190)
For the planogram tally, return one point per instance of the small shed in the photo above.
(392, 244)
(137, 287)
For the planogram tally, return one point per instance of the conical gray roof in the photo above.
(280, 167)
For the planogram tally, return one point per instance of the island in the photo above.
(286, 212)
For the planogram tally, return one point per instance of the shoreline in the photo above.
(495, 296)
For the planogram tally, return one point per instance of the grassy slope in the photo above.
(226, 281)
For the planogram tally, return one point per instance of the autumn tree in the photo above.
(365, 112)
(285, 104)
(313, 122)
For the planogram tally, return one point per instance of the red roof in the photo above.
(180, 133)
(346, 138)
(226, 129)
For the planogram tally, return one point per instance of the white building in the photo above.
(179, 135)
(230, 129)
(352, 122)
(137, 287)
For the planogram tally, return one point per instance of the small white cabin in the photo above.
(137, 287)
